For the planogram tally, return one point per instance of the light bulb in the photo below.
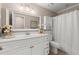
(32, 11)
(27, 9)
(21, 8)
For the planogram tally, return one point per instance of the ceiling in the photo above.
(56, 7)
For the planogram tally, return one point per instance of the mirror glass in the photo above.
(23, 21)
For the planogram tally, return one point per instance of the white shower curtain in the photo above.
(66, 32)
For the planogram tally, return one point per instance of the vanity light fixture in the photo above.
(26, 8)
(50, 4)
(32, 11)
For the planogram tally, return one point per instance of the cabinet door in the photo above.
(37, 49)
(18, 51)
(46, 51)
(16, 47)
(25, 51)
(21, 51)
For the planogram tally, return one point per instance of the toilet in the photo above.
(54, 47)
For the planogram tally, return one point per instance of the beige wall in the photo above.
(70, 9)
(42, 11)
(0, 14)
(39, 11)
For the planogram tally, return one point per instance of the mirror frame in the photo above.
(13, 12)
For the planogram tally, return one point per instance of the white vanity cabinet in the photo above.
(27, 46)
(40, 45)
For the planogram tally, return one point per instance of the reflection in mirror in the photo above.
(34, 25)
(23, 21)
(18, 22)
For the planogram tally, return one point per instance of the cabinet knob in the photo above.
(47, 51)
(1, 48)
(46, 38)
(32, 47)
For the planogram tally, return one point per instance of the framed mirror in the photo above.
(24, 21)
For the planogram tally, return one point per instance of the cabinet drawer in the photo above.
(6, 46)
(36, 40)
(46, 51)
(46, 39)
(46, 44)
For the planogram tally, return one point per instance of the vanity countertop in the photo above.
(23, 36)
